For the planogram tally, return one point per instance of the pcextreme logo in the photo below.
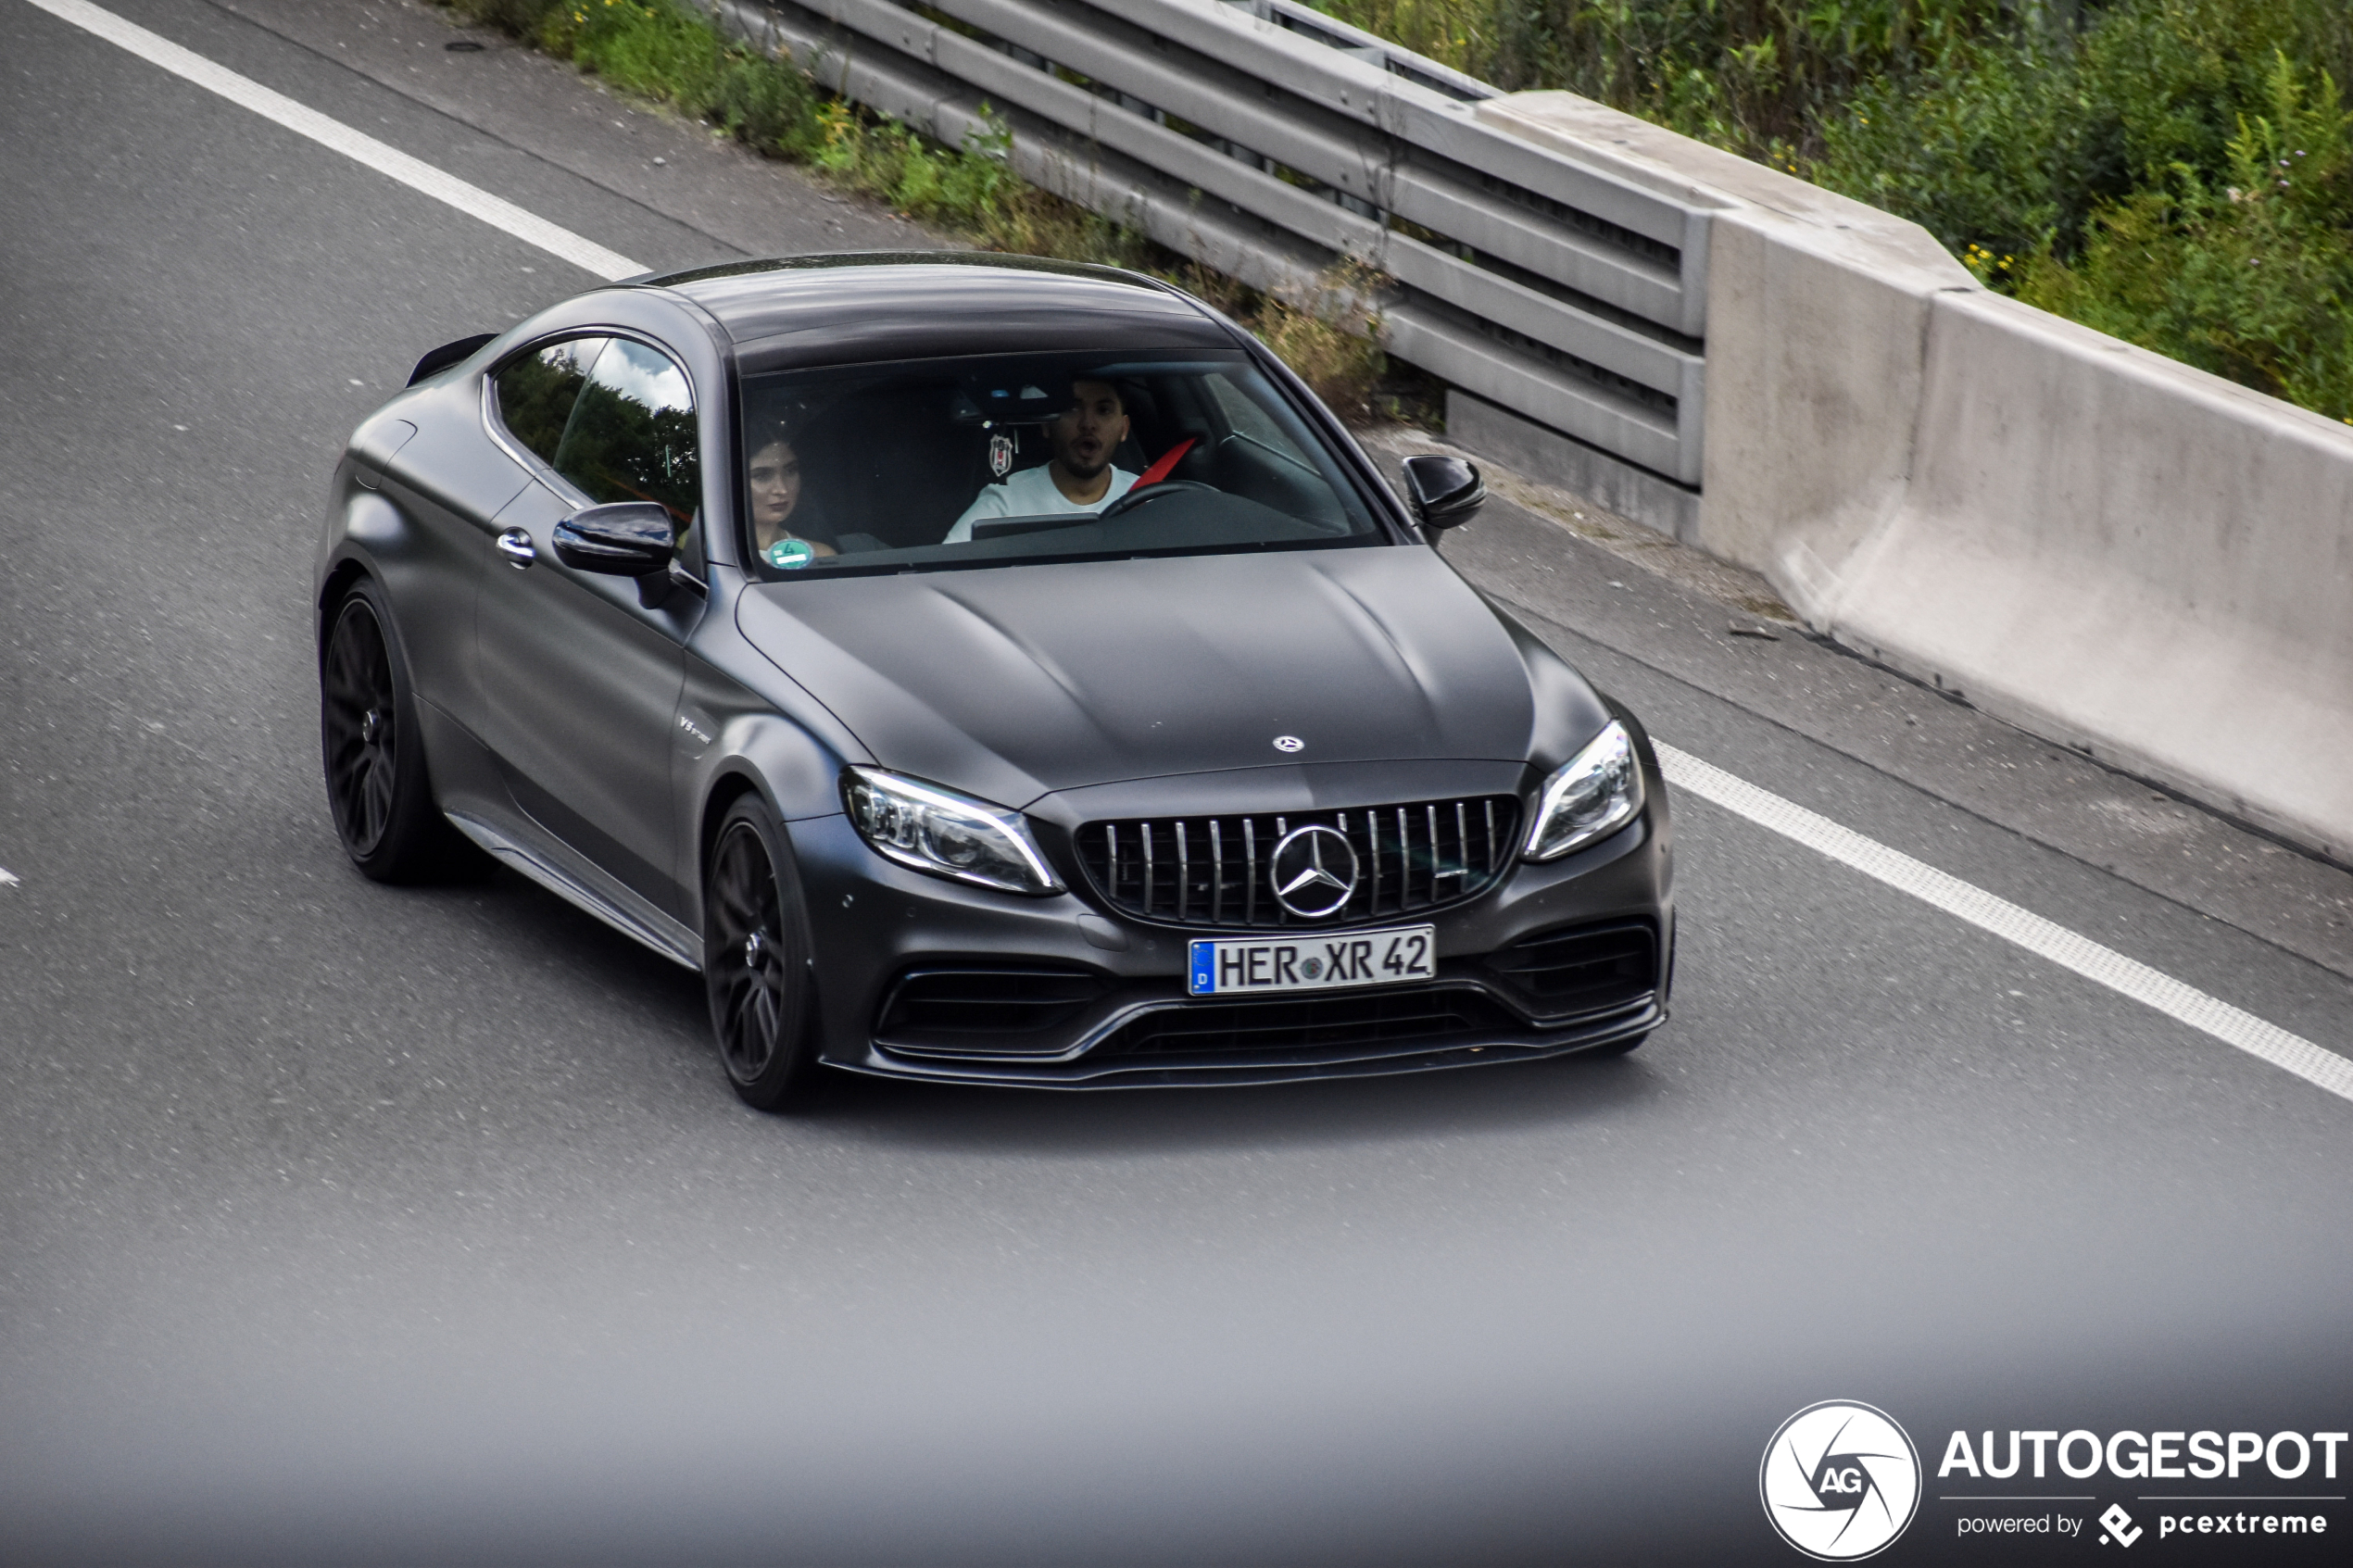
(1839, 1480)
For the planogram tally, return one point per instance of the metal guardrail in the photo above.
(1265, 141)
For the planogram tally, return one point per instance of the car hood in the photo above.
(1014, 681)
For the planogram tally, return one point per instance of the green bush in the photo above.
(2252, 278)
(2078, 153)
(2019, 139)
(1749, 74)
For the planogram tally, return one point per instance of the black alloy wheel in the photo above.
(756, 962)
(377, 785)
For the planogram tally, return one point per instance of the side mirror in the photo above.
(626, 539)
(1445, 491)
(448, 354)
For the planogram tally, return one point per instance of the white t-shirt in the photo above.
(1031, 493)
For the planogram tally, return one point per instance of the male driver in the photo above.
(1080, 479)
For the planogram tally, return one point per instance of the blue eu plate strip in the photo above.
(1204, 966)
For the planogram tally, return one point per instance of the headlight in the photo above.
(1597, 791)
(948, 834)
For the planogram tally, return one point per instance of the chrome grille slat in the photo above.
(1184, 871)
(1350, 910)
(1283, 826)
(1217, 872)
(1145, 831)
(1250, 873)
(1411, 857)
(1404, 847)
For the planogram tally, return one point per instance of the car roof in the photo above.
(873, 306)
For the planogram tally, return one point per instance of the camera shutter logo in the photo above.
(1839, 1480)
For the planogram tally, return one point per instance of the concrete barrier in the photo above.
(2129, 555)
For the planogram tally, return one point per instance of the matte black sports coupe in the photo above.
(979, 669)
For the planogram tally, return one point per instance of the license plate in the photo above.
(1261, 964)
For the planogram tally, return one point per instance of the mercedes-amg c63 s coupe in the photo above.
(979, 669)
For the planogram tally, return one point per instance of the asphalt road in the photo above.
(346, 1224)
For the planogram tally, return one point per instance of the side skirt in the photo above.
(618, 908)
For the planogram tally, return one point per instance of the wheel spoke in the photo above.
(736, 1036)
(745, 892)
(379, 795)
(344, 762)
(738, 905)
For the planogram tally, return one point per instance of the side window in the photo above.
(632, 433)
(537, 393)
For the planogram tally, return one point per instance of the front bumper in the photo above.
(1358, 1057)
(1101, 1002)
(1095, 1000)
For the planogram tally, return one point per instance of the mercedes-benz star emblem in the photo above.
(1290, 743)
(1314, 872)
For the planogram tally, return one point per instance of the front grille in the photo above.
(1214, 870)
(934, 1006)
(1586, 969)
(1263, 1028)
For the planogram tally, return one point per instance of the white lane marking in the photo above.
(415, 173)
(2127, 978)
(7, 877)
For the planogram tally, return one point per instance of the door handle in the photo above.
(515, 544)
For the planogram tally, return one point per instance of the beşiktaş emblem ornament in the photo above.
(1839, 1480)
(1001, 453)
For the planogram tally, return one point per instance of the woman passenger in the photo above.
(774, 476)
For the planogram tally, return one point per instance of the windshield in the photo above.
(984, 461)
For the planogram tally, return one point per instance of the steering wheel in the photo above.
(1143, 495)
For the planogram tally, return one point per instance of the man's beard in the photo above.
(1078, 469)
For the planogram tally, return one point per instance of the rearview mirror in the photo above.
(626, 539)
(1445, 491)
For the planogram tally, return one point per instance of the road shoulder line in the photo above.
(389, 161)
(2023, 927)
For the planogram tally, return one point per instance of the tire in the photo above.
(374, 752)
(757, 963)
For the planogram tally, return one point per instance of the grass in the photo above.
(667, 51)
(2170, 171)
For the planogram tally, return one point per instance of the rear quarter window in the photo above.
(537, 393)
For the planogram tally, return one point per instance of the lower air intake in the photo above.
(979, 1009)
(1578, 971)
